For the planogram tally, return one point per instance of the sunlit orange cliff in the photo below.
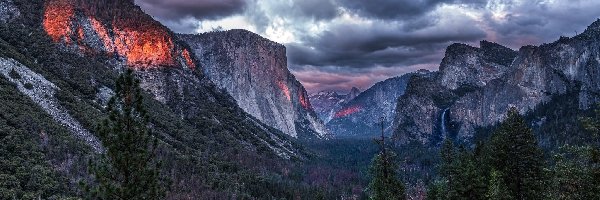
(139, 40)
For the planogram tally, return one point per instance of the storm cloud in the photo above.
(338, 44)
(200, 9)
(400, 9)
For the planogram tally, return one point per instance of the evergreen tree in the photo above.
(572, 174)
(437, 190)
(461, 176)
(442, 188)
(497, 190)
(385, 184)
(128, 169)
(592, 125)
(518, 158)
(469, 182)
(448, 156)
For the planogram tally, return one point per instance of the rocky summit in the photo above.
(475, 87)
(59, 60)
(101, 100)
(253, 70)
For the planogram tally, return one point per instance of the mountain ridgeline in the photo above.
(361, 116)
(326, 103)
(475, 87)
(229, 118)
(61, 57)
(253, 70)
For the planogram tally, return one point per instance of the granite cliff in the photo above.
(253, 70)
(475, 87)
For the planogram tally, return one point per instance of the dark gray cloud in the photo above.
(317, 9)
(337, 44)
(538, 21)
(399, 9)
(380, 44)
(175, 10)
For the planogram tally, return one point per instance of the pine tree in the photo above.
(385, 184)
(572, 174)
(497, 190)
(592, 125)
(443, 187)
(437, 190)
(128, 169)
(461, 176)
(518, 158)
(448, 156)
(469, 181)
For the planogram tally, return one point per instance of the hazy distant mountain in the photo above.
(326, 102)
(359, 116)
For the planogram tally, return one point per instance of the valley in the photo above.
(100, 88)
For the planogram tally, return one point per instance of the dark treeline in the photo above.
(511, 165)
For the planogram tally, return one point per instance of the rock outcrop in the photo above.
(121, 35)
(116, 28)
(253, 70)
(478, 85)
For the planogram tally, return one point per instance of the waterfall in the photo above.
(443, 123)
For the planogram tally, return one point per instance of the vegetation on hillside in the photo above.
(512, 165)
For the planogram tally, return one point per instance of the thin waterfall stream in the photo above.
(443, 123)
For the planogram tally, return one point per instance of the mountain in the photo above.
(475, 87)
(360, 116)
(58, 63)
(253, 70)
(325, 102)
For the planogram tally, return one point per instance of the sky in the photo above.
(340, 44)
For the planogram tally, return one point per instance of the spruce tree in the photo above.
(448, 156)
(128, 169)
(469, 181)
(437, 190)
(497, 190)
(592, 125)
(518, 158)
(385, 184)
(461, 176)
(572, 174)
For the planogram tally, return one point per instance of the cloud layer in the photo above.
(338, 44)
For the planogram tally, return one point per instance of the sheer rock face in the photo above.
(466, 65)
(360, 116)
(119, 34)
(253, 70)
(115, 28)
(479, 87)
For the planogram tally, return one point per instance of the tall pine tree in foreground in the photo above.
(385, 184)
(517, 158)
(460, 175)
(128, 169)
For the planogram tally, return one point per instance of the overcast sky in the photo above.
(338, 44)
